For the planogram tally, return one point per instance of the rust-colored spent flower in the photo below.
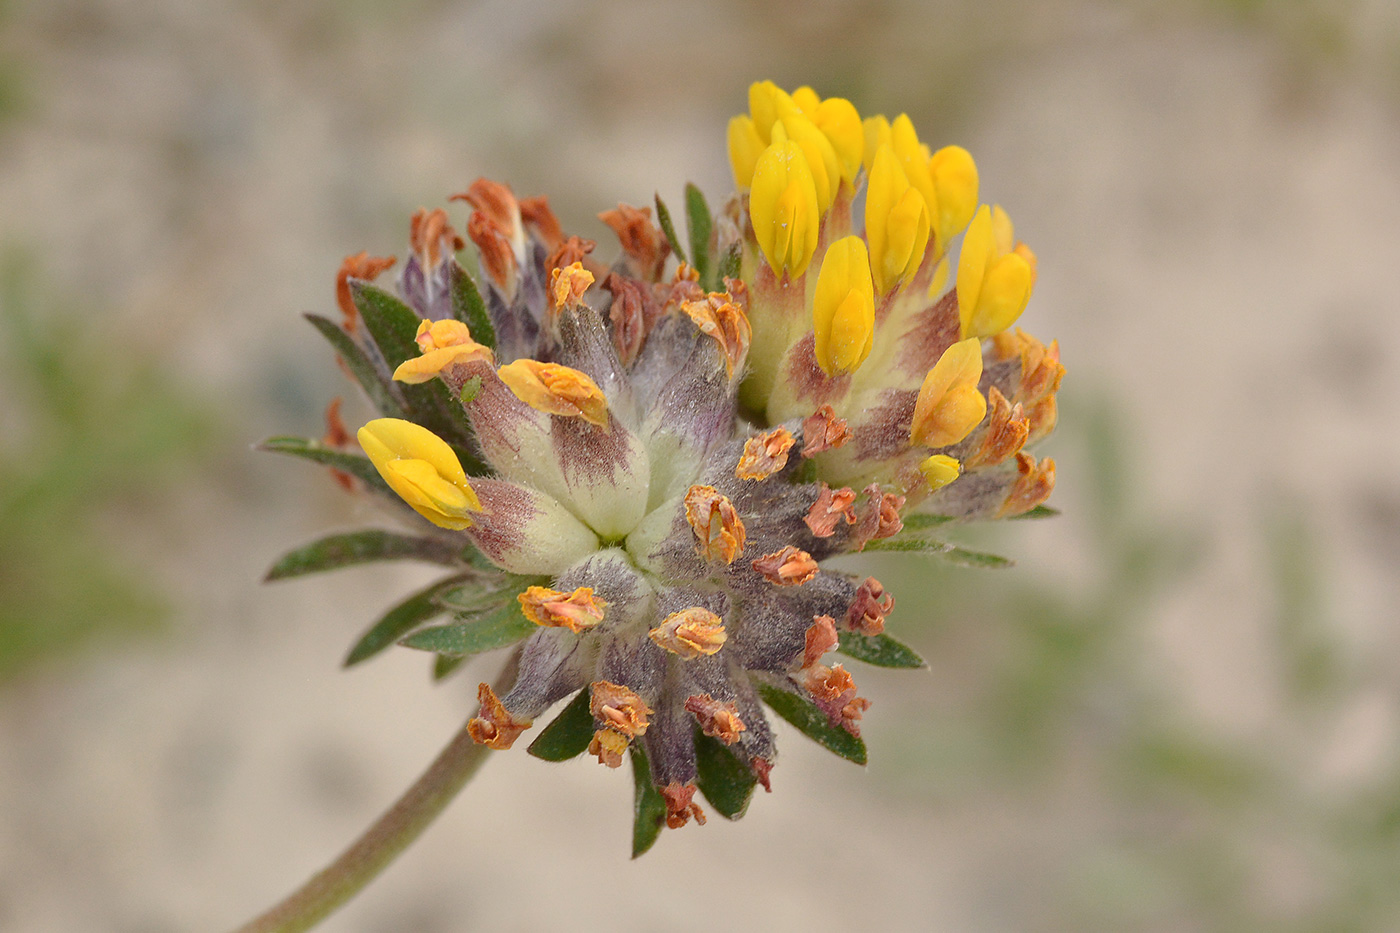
(831, 506)
(494, 726)
(765, 454)
(679, 805)
(567, 285)
(823, 431)
(557, 390)
(719, 532)
(870, 608)
(718, 720)
(618, 708)
(576, 611)
(444, 344)
(790, 566)
(361, 266)
(690, 633)
(643, 243)
(721, 316)
(608, 746)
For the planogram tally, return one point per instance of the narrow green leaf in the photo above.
(445, 664)
(663, 216)
(949, 552)
(648, 808)
(730, 265)
(726, 782)
(1040, 511)
(568, 735)
(354, 464)
(698, 224)
(361, 547)
(812, 722)
(402, 618)
(486, 592)
(475, 633)
(880, 650)
(468, 307)
(374, 382)
(921, 521)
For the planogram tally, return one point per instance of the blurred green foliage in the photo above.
(92, 432)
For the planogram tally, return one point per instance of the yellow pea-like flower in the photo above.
(839, 121)
(807, 100)
(914, 157)
(557, 390)
(422, 469)
(821, 157)
(768, 104)
(843, 309)
(783, 209)
(940, 470)
(443, 343)
(949, 405)
(995, 275)
(955, 184)
(896, 223)
(877, 133)
(745, 146)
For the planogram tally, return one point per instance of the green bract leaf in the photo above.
(943, 549)
(375, 383)
(812, 722)
(726, 782)
(475, 633)
(729, 265)
(880, 650)
(921, 521)
(402, 618)
(468, 307)
(648, 808)
(361, 547)
(1040, 511)
(568, 735)
(445, 664)
(356, 465)
(663, 217)
(698, 223)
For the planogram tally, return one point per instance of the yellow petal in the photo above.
(768, 104)
(556, 390)
(876, 130)
(1003, 232)
(422, 469)
(972, 263)
(914, 159)
(821, 157)
(955, 179)
(838, 120)
(940, 470)
(1005, 290)
(896, 223)
(745, 146)
(843, 307)
(806, 99)
(949, 405)
(783, 209)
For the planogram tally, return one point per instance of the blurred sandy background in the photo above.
(1178, 713)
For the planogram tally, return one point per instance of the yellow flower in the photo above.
(556, 390)
(838, 120)
(783, 208)
(876, 130)
(420, 467)
(768, 104)
(995, 275)
(745, 146)
(821, 157)
(949, 405)
(843, 309)
(896, 223)
(940, 470)
(807, 100)
(444, 343)
(955, 182)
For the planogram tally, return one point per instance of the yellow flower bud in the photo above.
(783, 209)
(821, 158)
(838, 120)
(955, 182)
(806, 99)
(994, 277)
(444, 343)
(896, 223)
(949, 405)
(843, 309)
(421, 467)
(556, 390)
(876, 130)
(745, 146)
(940, 470)
(768, 104)
(914, 158)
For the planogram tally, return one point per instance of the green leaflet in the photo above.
(1040, 511)
(377, 387)
(444, 665)
(922, 521)
(880, 650)
(943, 549)
(726, 782)
(568, 734)
(663, 216)
(648, 809)
(812, 722)
(354, 464)
(729, 265)
(473, 634)
(468, 307)
(698, 223)
(361, 547)
(402, 618)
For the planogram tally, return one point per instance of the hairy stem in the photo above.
(370, 854)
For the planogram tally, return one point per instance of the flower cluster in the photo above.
(637, 471)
